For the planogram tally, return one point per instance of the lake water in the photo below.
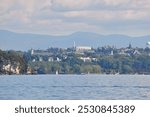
(64, 87)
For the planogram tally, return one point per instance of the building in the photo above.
(32, 51)
(58, 59)
(112, 53)
(33, 60)
(86, 59)
(40, 52)
(50, 59)
(83, 48)
(148, 44)
(136, 52)
(40, 59)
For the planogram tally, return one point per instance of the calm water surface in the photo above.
(49, 87)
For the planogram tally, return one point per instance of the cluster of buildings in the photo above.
(50, 55)
(56, 54)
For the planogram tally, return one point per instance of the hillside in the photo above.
(24, 41)
(12, 63)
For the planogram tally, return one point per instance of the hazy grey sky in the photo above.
(131, 17)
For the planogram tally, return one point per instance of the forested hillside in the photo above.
(12, 62)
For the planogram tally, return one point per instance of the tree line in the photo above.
(72, 64)
(107, 64)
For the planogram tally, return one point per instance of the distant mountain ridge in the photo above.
(24, 41)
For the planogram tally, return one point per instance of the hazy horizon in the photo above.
(34, 33)
(25, 41)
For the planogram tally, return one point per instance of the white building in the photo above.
(50, 59)
(148, 44)
(83, 48)
(86, 59)
(94, 59)
(33, 60)
(112, 53)
(58, 59)
(40, 59)
(136, 52)
(32, 51)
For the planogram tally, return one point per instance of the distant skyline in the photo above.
(63, 17)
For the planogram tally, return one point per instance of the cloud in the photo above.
(20, 10)
(69, 4)
(64, 5)
(108, 15)
(66, 16)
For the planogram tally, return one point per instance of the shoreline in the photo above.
(75, 74)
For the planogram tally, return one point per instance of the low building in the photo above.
(33, 60)
(136, 52)
(94, 59)
(83, 48)
(148, 44)
(50, 59)
(40, 59)
(86, 59)
(58, 59)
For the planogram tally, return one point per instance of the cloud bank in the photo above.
(129, 17)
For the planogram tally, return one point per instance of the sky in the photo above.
(63, 17)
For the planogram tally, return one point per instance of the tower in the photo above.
(32, 51)
(130, 46)
(74, 44)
